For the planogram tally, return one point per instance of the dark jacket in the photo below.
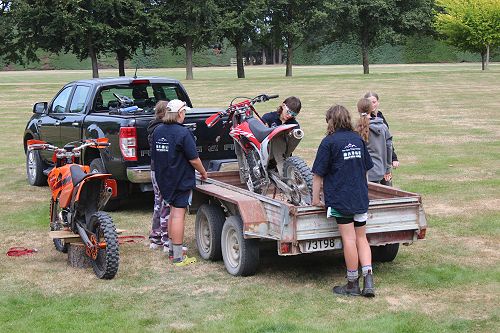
(151, 128)
(394, 156)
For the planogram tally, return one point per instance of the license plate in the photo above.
(320, 245)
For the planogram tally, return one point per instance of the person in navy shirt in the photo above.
(176, 158)
(285, 114)
(341, 166)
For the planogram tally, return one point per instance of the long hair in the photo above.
(160, 110)
(338, 117)
(363, 124)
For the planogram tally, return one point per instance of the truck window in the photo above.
(79, 98)
(61, 101)
(145, 96)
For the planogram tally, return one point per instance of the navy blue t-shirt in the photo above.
(173, 146)
(272, 119)
(343, 160)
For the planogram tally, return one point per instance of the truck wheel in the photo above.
(385, 253)
(241, 256)
(34, 168)
(97, 166)
(106, 262)
(208, 229)
(301, 179)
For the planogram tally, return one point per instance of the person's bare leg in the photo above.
(349, 244)
(364, 251)
(176, 224)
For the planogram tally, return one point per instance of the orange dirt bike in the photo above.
(78, 197)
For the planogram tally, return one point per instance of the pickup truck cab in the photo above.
(91, 109)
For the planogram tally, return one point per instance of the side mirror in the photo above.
(40, 107)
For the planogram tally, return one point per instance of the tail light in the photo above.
(285, 248)
(421, 233)
(128, 143)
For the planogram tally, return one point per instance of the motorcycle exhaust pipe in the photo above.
(298, 133)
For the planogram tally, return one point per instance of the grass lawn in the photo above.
(446, 128)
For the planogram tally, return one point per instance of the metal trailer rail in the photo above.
(394, 217)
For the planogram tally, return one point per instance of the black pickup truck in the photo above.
(93, 109)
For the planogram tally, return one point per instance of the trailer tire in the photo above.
(385, 253)
(241, 256)
(208, 229)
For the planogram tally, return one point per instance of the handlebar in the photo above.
(42, 145)
(241, 106)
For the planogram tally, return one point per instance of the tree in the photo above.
(295, 21)
(471, 25)
(129, 28)
(8, 36)
(374, 22)
(238, 24)
(191, 24)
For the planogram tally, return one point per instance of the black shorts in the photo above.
(347, 220)
(180, 199)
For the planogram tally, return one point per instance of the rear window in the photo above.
(144, 96)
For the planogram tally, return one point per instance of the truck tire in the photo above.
(208, 229)
(241, 256)
(97, 166)
(385, 253)
(34, 169)
(301, 178)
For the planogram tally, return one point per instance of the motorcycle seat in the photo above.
(77, 174)
(258, 129)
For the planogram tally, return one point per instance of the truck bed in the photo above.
(394, 216)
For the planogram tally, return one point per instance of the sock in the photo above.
(177, 252)
(366, 269)
(352, 275)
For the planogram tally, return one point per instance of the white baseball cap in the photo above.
(177, 105)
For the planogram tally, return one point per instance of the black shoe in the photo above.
(368, 287)
(349, 289)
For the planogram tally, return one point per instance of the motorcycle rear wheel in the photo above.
(300, 178)
(106, 263)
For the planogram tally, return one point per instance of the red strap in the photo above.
(130, 239)
(17, 251)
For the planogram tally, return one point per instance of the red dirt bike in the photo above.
(264, 154)
(78, 197)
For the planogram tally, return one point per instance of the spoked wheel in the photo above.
(57, 224)
(107, 258)
(300, 179)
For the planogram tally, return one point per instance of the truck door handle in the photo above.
(75, 124)
(57, 123)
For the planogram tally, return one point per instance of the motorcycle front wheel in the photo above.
(106, 262)
(300, 178)
(57, 224)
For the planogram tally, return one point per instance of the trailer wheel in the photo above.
(208, 230)
(241, 256)
(385, 253)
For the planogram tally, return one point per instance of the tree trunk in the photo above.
(487, 57)
(77, 257)
(483, 58)
(289, 57)
(189, 58)
(239, 60)
(280, 56)
(120, 56)
(93, 59)
(274, 56)
(364, 52)
(264, 60)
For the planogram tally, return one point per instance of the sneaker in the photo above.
(154, 246)
(185, 261)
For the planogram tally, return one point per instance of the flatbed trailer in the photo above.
(231, 222)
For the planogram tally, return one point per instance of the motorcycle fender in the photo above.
(279, 129)
(111, 183)
(102, 176)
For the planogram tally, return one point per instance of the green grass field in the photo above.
(446, 127)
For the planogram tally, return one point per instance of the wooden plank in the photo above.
(69, 235)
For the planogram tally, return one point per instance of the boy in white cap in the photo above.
(176, 158)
